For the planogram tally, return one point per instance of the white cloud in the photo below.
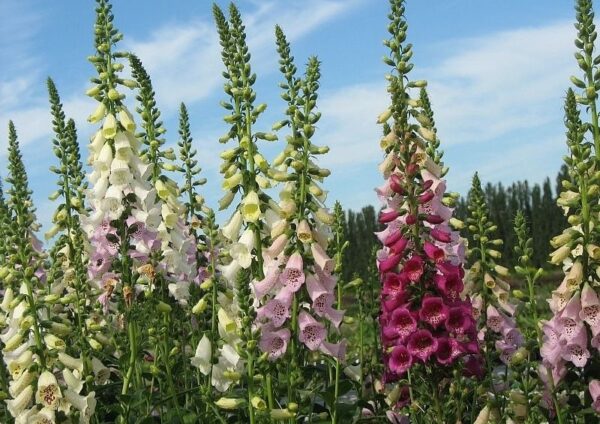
(183, 59)
(497, 101)
(500, 83)
(348, 124)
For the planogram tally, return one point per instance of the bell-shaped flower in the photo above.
(312, 332)
(402, 324)
(322, 306)
(400, 360)
(48, 392)
(421, 344)
(274, 341)
(276, 247)
(202, 358)
(85, 404)
(241, 252)
(594, 389)
(250, 207)
(335, 350)
(73, 383)
(590, 308)
(109, 127)
(448, 349)
(433, 311)
(126, 119)
(324, 262)
(272, 274)
(569, 321)
(276, 310)
(231, 230)
(292, 276)
(17, 405)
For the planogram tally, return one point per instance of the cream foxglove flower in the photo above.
(104, 159)
(48, 393)
(73, 383)
(304, 232)
(17, 405)
(17, 366)
(98, 114)
(126, 120)
(250, 207)
(230, 403)
(101, 371)
(85, 404)
(18, 385)
(43, 416)
(53, 342)
(70, 362)
(109, 127)
(233, 181)
(180, 291)
(169, 216)
(112, 203)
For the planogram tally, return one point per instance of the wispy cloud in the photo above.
(183, 57)
(491, 86)
(501, 89)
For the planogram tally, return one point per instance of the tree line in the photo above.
(537, 201)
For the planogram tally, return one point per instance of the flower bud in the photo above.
(164, 308)
(200, 307)
(282, 414)
(229, 403)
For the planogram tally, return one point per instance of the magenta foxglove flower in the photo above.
(413, 268)
(400, 360)
(401, 324)
(421, 345)
(448, 349)
(433, 311)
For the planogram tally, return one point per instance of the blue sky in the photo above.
(497, 71)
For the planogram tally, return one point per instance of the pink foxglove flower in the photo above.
(312, 332)
(274, 341)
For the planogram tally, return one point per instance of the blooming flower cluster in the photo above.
(424, 317)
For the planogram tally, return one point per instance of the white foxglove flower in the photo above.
(126, 119)
(169, 217)
(242, 250)
(17, 366)
(48, 393)
(180, 291)
(120, 175)
(109, 127)
(18, 385)
(231, 230)
(202, 358)
(112, 203)
(53, 342)
(230, 271)
(43, 416)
